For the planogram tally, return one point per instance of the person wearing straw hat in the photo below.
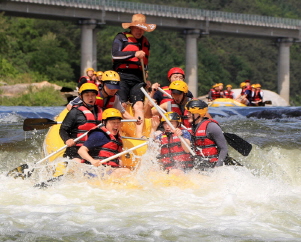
(131, 50)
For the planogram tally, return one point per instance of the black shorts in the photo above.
(71, 152)
(130, 85)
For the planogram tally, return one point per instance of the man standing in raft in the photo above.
(129, 51)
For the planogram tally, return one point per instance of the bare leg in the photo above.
(139, 112)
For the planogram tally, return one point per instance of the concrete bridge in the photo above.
(193, 22)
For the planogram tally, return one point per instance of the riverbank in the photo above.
(34, 94)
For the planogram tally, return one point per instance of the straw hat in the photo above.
(139, 20)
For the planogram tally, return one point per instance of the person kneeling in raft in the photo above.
(104, 142)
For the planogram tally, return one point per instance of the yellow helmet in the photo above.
(196, 106)
(215, 85)
(220, 84)
(88, 87)
(110, 76)
(171, 116)
(254, 85)
(99, 73)
(243, 84)
(258, 86)
(89, 69)
(229, 86)
(111, 113)
(179, 86)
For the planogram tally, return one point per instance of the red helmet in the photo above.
(175, 70)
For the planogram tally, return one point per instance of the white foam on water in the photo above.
(228, 204)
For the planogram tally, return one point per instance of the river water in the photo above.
(260, 201)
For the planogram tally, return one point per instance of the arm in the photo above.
(155, 121)
(118, 45)
(186, 138)
(147, 104)
(67, 126)
(75, 101)
(163, 106)
(215, 133)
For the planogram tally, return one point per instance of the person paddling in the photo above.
(80, 119)
(174, 156)
(208, 140)
(179, 90)
(104, 142)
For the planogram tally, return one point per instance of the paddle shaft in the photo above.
(166, 93)
(167, 121)
(123, 152)
(122, 120)
(143, 70)
(64, 147)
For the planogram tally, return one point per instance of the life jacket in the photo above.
(91, 122)
(204, 146)
(172, 154)
(257, 95)
(100, 102)
(113, 147)
(131, 44)
(87, 78)
(228, 94)
(174, 107)
(215, 94)
(165, 98)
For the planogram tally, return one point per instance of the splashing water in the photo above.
(257, 202)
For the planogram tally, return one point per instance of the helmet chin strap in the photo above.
(194, 120)
(104, 90)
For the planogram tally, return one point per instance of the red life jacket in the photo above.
(172, 154)
(176, 108)
(257, 96)
(91, 123)
(109, 104)
(113, 147)
(228, 94)
(215, 94)
(87, 78)
(133, 45)
(204, 146)
(165, 98)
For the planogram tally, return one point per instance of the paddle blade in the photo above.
(37, 123)
(21, 171)
(239, 144)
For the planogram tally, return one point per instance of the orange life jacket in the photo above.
(133, 45)
(90, 123)
(204, 146)
(172, 154)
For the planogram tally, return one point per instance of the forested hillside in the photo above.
(35, 50)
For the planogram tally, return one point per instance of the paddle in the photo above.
(21, 169)
(166, 93)
(58, 178)
(239, 144)
(44, 123)
(167, 121)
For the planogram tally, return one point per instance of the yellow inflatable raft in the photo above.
(225, 102)
(53, 141)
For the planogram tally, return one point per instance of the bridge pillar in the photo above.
(284, 68)
(88, 45)
(192, 60)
